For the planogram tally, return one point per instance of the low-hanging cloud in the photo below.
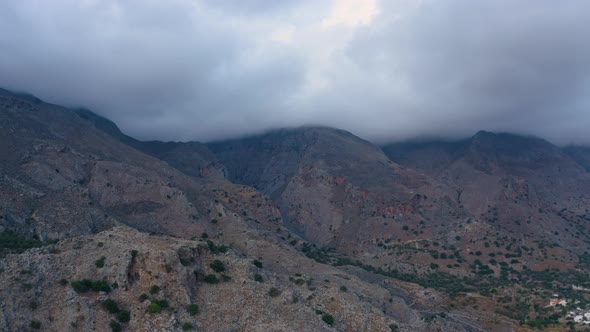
(385, 70)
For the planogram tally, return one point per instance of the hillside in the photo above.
(78, 201)
(469, 235)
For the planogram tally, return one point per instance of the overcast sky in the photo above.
(383, 69)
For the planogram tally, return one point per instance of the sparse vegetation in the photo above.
(100, 262)
(186, 326)
(258, 277)
(154, 289)
(35, 324)
(211, 279)
(115, 326)
(192, 309)
(328, 319)
(11, 242)
(110, 306)
(274, 292)
(154, 308)
(85, 285)
(216, 248)
(124, 316)
(257, 263)
(217, 266)
(143, 297)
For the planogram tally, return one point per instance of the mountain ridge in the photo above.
(421, 228)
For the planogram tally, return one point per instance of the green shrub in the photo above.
(154, 289)
(63, 282)
(81, 286)
(115, 326)
(211, 279)
(217, 266)
(192, 309)
(225, 278)
(393, 327)
(124, 316)
(133, 254)
(100, 262)
(328, 319)
(143, 297)
(186, 326)
(274, 292)
(257, 263)
(161, 303)
(204, 236)
(258, 278)
(85, 285)
(35, 324)
(110, 306)
(11, 242)
(343, 289)
(405, 228)
(216, 248)
(154, 308)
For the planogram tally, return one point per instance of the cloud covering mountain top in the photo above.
(385, 70)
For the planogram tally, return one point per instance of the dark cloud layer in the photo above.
(385, 70)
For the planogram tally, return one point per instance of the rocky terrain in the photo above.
(302, 229)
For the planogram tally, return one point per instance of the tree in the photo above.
(154, 308)
(328, 319)
(124, 316)
(217, 266)
(192, 309)
(110, 306)
(154, 289)
(115, 326)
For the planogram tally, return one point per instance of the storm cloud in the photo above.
(385, 70)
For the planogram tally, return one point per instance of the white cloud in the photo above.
(351, 13)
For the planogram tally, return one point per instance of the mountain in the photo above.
(191, 158)
(581, 154)
(521, 184)
(90, 223)
(333, 188)
(308, 228)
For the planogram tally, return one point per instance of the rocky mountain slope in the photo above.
(315, 229)
(477, 215)
(126, 221)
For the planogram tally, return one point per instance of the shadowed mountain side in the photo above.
(191, 158)
(331, 186)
